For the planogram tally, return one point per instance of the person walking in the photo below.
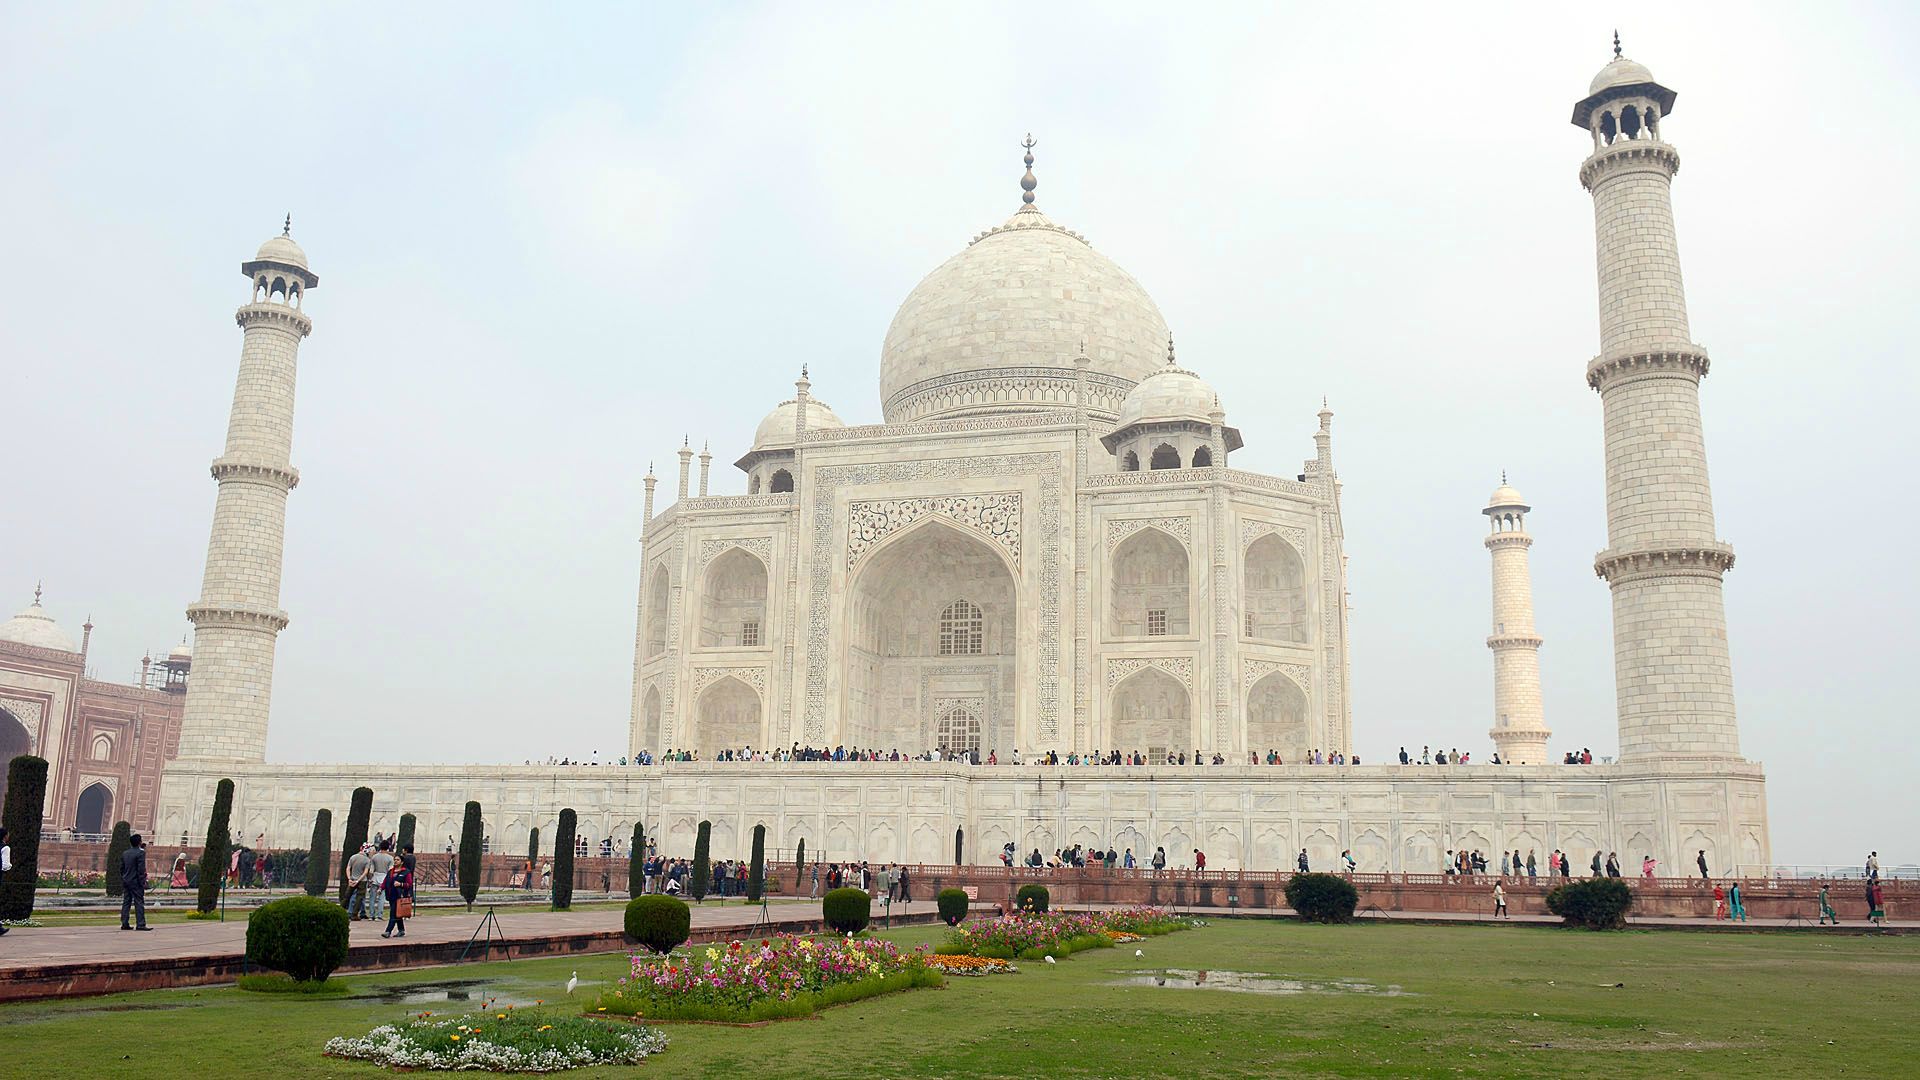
(6, 865)
(398, 887)
(1301, 861)
(377, 878)
(1873, 866)
(814, 893)
(1500, 901)
(1719, 902)
(1613, 864)
(1595, 865)
(906, 887)
(1736, 911)
(1159, 860)
(178, 880)
(133, 883)
(1826, 908)
(359, 870)
(1876, 899)
(1532, 867)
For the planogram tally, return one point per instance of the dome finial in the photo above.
(1170, 348)
(287, 229)
(1503, 476)
(36, 592)
(1616, 44)
(1027, 182)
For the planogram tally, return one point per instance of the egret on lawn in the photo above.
(1050, 960)
(573, 982)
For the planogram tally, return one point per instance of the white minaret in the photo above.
(1673, 678)
(1519, 723)
(238, 616)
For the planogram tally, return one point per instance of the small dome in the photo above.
(776, 431)
(1168, 395)
(282, 249)
(35, 627)
(1505, 496)
(1620, 72)
(182, 651)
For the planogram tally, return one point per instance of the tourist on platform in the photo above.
(1159, 861)
(1500, 902)
(1516, 863)
(1647, 866)
(1826, 908)
(1532, 873)
(1613, 865)
(1301, 862)
(1126, 860)
(1595, 866)
(1736, 911)
(397, 887)
(1352, 864)
(1873, 866)
(1566, 868)
(1506, 863)
(178, 878)
(359, 869)
(1701, 860)
(133, 883)
(1403, 756)
(1426, 758)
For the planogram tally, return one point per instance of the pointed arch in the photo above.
(1274, 589)
(650, 715)
(1202, 458)
(1277, 717)
(1151, 712)
(1130, 462)
(727, 718)
(781, 481)
(94, 811)
(733, 602)
(656, 616)
(1164, 457)
(1149, 594)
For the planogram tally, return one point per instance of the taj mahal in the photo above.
(1045, 548)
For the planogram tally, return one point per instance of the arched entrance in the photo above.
(728, 717)
(650, 720)
(1151, 714)
(931, 623)
(15, 740)
(1277, 718)
(95, 811)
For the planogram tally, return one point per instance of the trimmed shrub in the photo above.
(757, 870)
(1326, 898)
(213, 857)
(1595, 903)
(563, 859)
(404, 840)
(953, 906)
(660, 924)
(847, 911)
(470, 837)
(702, 876)
(1031, 897)
(359, 813)
(122, 840)
(304, 936)
(637, 861)
(800, 864)
(317, 852)
(26, 794)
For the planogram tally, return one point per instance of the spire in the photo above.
(287, 229)
(1616, 44)
(1170, 348)
(36, 592)
(1503, 477)
(1027, 182)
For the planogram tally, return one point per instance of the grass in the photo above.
(1477, 1001)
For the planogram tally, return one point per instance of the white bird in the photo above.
(1050, 960)
(1137, 952)
(573, 982)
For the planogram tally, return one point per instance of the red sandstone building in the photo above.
(105, 742)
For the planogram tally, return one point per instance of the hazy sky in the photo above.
(551, 242)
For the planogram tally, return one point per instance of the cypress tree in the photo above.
(637, 861)
(405, 840)
(470, 854)
(702, 867)
(317, 852)
(563, 859)
(756, 870)
(959, 837)
(26, 794)
(533, 849)
(122, 840)
(213, 857)
(799, 863)
(359, 813)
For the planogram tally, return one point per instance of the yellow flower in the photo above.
(455, 1038)
(500, 1016)
(602, 1008)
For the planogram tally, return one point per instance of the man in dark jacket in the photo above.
(133, 883)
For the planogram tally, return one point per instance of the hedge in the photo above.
(359, 814)
(1031, 897)
(661, 924)
(1595, 903)
(317, 852)
(563, 859)
(953, 906)
(702, 876)
(470, 837)
(1326, 898)
(122, 840)
(26, 795)
(847, 911)
(637, 861)
(213, 857)
(304, 936)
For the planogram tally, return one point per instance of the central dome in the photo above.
(996, 328)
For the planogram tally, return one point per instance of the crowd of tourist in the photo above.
(973, 756)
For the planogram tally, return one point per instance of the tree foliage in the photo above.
(470, 837)
(26, 795)
(563, 842)
(702, 875)
(756, 871)
(122, 840)
(359, 816)
(213, 857)
(318, 850)
(304, 936)
(637, 861)
(659, 923)
(1595, 903)
(952, 904)
(404, 839)
(1327, 898)
(847, 911)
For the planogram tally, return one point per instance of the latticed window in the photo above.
(959, 730)
(750, 633)
(1157, 622)
(961, 630)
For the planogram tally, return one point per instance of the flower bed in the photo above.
(962, 964)
(501, 1042)
(1030, 936)
(778, 977)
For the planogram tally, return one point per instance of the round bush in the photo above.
(661, 924)
(953, 906)
(304, 936)
(1324, 898)
(847, 911)
(1595, 903)
(1032, 898)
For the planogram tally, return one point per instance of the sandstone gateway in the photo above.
(1045, 546)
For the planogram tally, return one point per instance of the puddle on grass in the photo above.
(1254, 982)
(456, 992)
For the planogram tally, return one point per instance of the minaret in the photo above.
(238, 616)
(706, 467)
(1672, 675)
(686, 466)
(1519, 725)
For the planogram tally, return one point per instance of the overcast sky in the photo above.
(550, 243)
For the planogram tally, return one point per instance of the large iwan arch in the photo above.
(1149, 597)
(733, 602)
(1274, 590)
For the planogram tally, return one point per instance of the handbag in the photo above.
(403, 908)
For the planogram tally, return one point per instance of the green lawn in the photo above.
(1474, 1001)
